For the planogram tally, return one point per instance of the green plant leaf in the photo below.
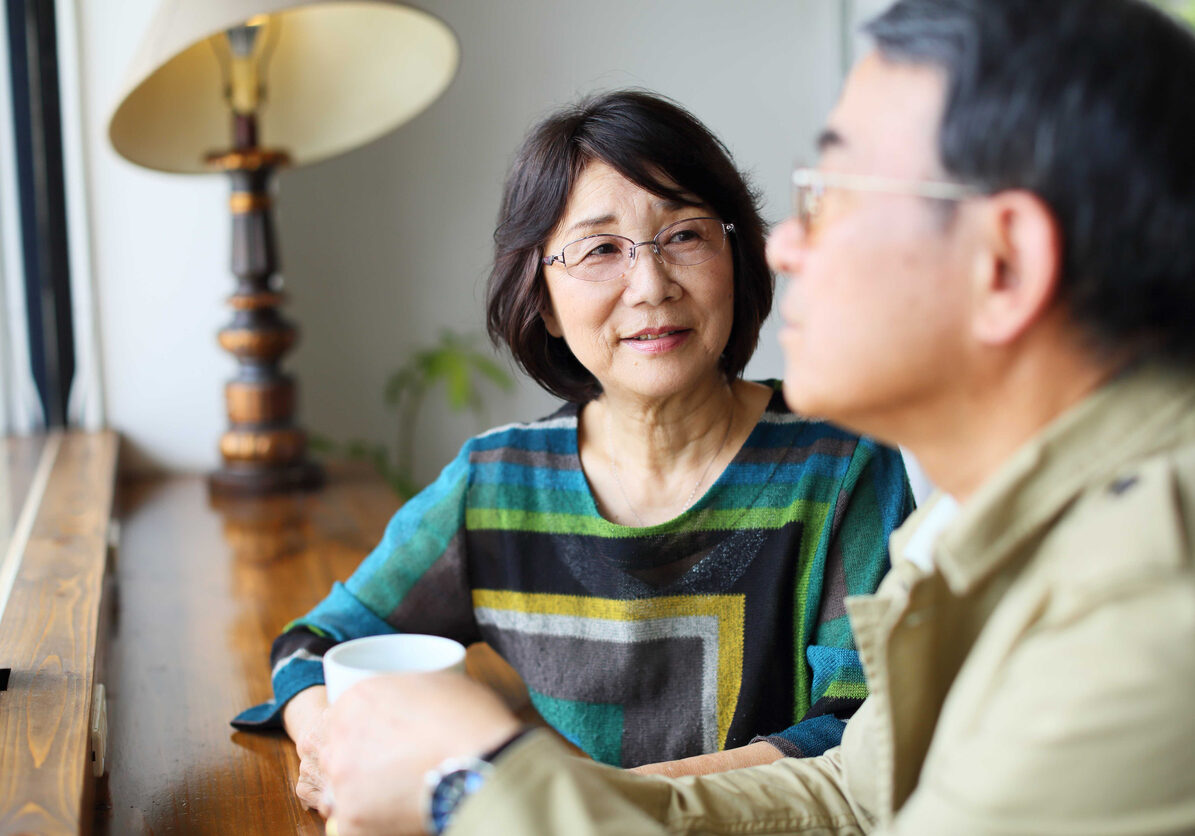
(460, 389)
(321, 444)
(492, 371)
(399, 383)
(432, 363)
(358, 449)
(453, 361)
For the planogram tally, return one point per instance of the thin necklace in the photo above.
(692, 494)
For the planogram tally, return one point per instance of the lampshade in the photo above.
(342, 72)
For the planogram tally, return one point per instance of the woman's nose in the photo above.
(652, 247)
(648, 279)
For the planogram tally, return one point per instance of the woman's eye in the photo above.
(605, 249)
(684, 237)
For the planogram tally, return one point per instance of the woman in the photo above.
(644, 555)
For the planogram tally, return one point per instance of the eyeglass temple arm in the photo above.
(934, 189)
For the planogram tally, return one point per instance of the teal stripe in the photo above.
(574, 497)
(814, 489)
(594, 727)
(509, 473)
(829, 467)
(836, 632)
(414, 540)
(519, 498)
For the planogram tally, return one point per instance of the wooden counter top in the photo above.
(201, 592)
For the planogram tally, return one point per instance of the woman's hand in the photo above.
(305, 720)
(752, 754)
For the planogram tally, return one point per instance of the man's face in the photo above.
(876, 309)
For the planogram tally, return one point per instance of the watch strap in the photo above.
(492, 754)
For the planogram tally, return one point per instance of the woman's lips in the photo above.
(657, 340)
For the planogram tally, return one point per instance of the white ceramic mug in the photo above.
(348, 663)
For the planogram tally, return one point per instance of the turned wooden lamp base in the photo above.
(234, 480)
(263, 450)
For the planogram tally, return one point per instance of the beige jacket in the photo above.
(1040, 678)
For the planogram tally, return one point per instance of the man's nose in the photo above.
(786, 247)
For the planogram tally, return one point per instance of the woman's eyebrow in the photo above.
(590, 223)
(671, 205)
(666, 204)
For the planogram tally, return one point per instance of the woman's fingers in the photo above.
(311, 786)
(309, 795)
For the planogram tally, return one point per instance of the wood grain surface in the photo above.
(203, 590)
(48, 636)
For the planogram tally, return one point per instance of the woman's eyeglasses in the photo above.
(604, 257)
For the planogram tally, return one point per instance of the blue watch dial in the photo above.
(452, 788)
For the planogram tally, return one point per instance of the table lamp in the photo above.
(245, 87)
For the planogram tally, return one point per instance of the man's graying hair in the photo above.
(1090, 105)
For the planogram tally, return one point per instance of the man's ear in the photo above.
(1017, 266)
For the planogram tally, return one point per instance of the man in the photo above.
(994, 265)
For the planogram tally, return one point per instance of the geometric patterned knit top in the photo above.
(637, 644)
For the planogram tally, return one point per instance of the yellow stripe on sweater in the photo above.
(727, 609)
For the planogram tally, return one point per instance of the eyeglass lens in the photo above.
(599, 258)
(807, 203)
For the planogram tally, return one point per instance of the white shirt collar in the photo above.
(920, 548)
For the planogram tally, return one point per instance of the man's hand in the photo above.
(385, 733)
(305, 720)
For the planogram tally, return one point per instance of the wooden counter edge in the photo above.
(50, 637)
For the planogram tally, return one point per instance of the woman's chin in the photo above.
(651, 378)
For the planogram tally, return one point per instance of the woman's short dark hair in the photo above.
(655, 144)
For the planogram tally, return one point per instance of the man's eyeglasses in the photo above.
(603, 257)
(810, 186)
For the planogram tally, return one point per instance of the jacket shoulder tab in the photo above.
(1131, 529)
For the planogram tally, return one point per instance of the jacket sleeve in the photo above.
(413, 581)
(874, 497)
(538, 789)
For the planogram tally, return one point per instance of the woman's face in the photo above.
(660, 329)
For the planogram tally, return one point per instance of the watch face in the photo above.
(452, 788)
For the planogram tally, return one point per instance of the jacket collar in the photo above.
(1137, 413)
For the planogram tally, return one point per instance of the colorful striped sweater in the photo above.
(638, 644)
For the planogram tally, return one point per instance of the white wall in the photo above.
(388, 244)
(859, 12)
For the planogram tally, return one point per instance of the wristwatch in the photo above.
(456, 779)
